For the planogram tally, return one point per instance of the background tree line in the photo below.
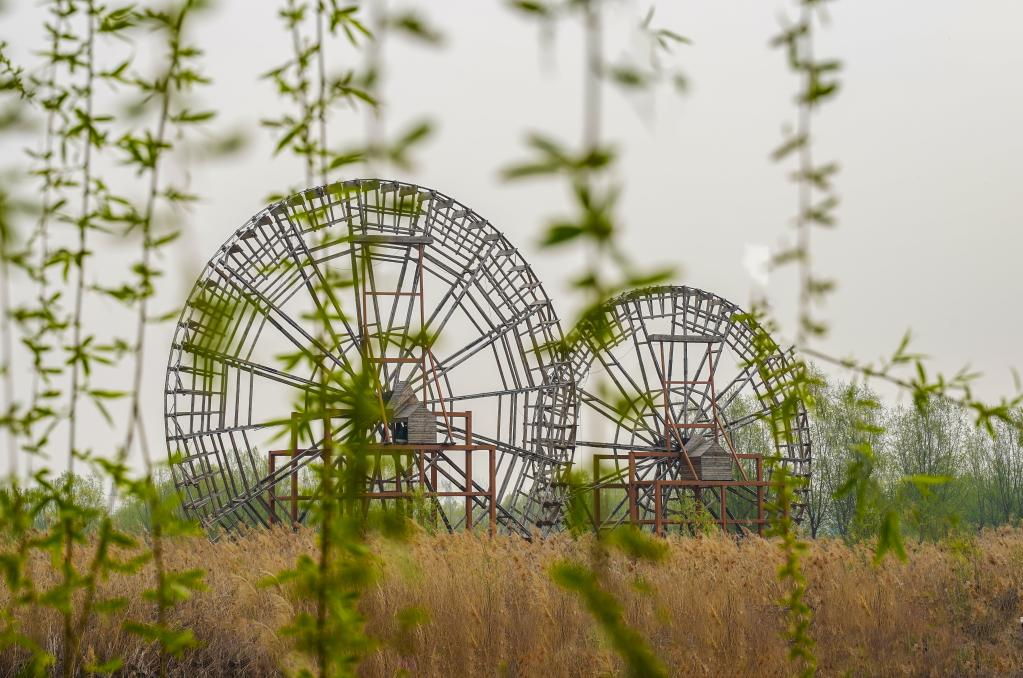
(975, 479)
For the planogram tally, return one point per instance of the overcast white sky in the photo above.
(926, 129)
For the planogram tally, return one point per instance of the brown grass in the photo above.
(710, 610)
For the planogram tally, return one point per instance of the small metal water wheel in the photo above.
(414, 287)
(676, 415)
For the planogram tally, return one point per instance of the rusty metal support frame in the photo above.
(424, 459)
(633, 486)
(423, 484)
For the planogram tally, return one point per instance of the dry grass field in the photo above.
(491, 610)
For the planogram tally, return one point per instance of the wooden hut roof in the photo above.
(706, 447)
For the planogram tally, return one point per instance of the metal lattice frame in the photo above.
(679, 372)
(387, 262)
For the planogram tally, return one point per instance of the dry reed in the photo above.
(487, 607)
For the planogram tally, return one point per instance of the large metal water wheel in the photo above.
(404, 282)
(684, 412)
